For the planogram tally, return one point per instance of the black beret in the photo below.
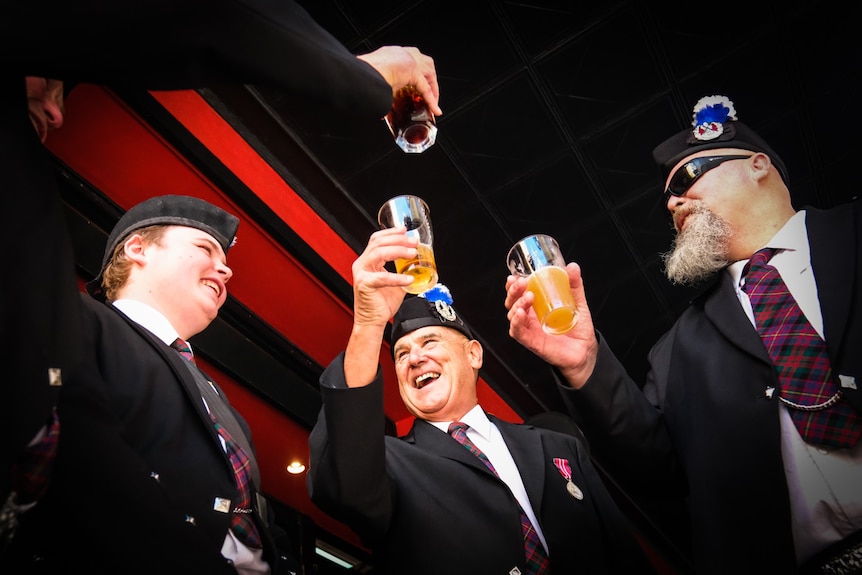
(172, 211)
(433, 307)
(714, 126)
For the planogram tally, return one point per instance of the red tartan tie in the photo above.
(537, 560)
(800, 358)
(242, 522)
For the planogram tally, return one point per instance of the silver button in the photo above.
(55, 377)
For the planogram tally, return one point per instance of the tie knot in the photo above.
(456, 426)
(183, 348)
(760, 258)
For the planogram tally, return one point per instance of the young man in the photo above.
(144, 477)
(423, 502)
(720, 420)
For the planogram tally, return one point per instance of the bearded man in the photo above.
(750, 413)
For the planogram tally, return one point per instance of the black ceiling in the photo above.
(551, 110)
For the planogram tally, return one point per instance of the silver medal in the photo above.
(574, 490)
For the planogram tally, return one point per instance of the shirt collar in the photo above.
(792, 236)
(149, 318)
(475, 418)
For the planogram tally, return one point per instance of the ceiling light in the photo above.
(296, 467)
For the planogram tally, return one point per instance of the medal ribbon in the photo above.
(563, 466)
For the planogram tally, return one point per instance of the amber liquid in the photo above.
(423, 268)
(552, 299)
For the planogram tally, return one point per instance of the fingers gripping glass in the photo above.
(689, 172)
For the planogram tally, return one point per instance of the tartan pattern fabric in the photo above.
(242, 522)
(537, 562)
(33, 467)
(184, 349)
(800, 359)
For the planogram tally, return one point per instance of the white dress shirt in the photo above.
(485, 435)
(825, 485)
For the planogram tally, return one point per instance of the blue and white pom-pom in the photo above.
(438, 293)
(709, 116)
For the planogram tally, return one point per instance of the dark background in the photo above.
(551, 111)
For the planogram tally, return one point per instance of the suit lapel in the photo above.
(177, 365)
(528, 454)
(834, 256)
(723, 309)
(833, 249)
(833, 253)
(525, 448)
(433, 440)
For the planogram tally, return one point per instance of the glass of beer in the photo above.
(412, 212)
(411, 122)
(539, 259)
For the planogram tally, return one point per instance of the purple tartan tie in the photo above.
(800, 358)
(537, 560)
(242, 523)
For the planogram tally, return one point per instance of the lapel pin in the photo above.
(847, 381)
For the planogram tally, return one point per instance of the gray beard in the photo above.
(700, 249)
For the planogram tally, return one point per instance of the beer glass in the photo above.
(538, 258)
(412, 212)
(411, 122)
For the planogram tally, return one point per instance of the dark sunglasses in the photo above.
(689, 172)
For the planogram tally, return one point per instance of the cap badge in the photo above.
(442, 298)
(445, 310)
(709, 116)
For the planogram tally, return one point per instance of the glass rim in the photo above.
(519, 242)
(423, 203)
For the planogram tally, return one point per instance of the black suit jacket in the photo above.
(152, 44)
(139, 464)
(425, 505)
(703, 425)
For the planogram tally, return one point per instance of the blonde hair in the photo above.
(119, 267)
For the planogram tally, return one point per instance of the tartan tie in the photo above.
(31, 473)
(184, 349)
(33, 467)
(800, 359)
(537, 560)
(242, 521)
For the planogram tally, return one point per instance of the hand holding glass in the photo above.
(539, 259)
(412, 212)
(411, 122)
